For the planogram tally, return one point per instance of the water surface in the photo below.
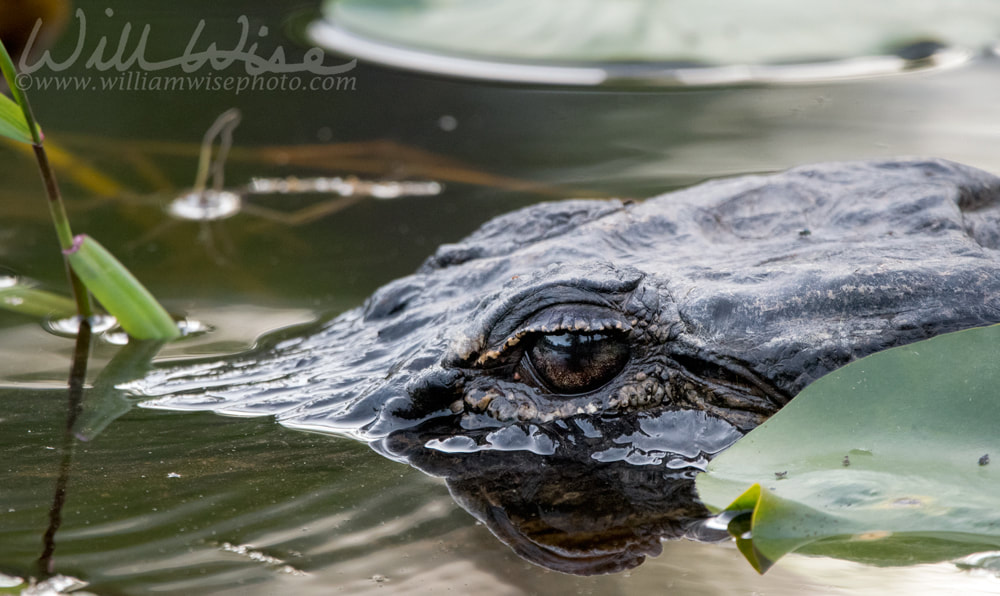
(197, 503)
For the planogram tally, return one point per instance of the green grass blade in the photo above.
(20, 99)
(36, 303)
(121, 294)
(12, 123)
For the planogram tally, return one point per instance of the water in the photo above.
(198, 503)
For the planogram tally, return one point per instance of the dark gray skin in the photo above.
(614, 334)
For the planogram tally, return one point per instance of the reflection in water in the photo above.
(565, 511)
(77, 376)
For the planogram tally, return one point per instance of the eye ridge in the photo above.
(571, 363)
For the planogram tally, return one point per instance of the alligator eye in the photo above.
(574, 363)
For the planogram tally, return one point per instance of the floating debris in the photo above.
(207, 205)
(781, 475)
(349, 186)
(204, 203)
(211, 204)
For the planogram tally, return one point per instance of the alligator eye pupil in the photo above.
(573, 363)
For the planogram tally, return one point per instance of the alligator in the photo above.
(625, 341)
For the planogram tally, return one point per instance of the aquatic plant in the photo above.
(90, 268)
(885, 461)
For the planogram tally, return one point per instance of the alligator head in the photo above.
(607, 334)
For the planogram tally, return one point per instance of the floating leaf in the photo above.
(121, 294)
(884, 461)
(694, 31)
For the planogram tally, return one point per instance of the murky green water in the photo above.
(166, 502)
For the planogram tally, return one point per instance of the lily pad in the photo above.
(647, 38)
(885, 461)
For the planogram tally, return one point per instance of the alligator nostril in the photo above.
(434, 389)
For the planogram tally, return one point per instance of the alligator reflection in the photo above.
(564, 509)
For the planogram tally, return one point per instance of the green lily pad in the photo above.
(702, 32)
(884, 461)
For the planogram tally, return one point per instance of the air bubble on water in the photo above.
(209, 205)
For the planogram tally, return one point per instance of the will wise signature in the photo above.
(101, 59)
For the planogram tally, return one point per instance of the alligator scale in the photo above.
(606, 350)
